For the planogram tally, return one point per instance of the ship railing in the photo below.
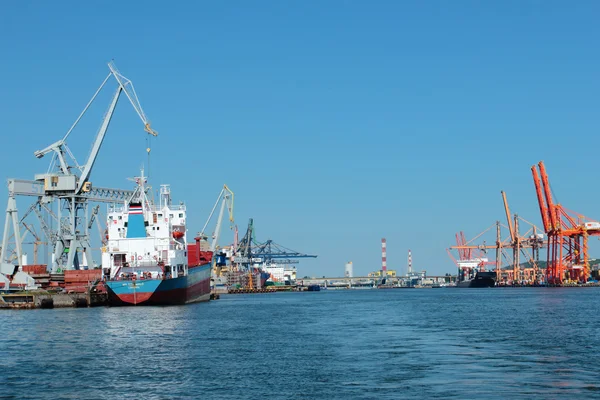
(146, 264)
(154, 208)
(140, 272)
(173, 246)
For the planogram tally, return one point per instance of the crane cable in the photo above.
(148, 151)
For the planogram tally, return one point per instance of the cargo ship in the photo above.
(147, 260)
(472, 275)
(480, 279)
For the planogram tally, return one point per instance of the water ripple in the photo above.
(368, 344)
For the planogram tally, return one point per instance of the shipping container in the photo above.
(35, 269)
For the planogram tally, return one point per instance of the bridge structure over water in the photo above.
(357, 281)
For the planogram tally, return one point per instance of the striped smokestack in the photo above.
(383, 257)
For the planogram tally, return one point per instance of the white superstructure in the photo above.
(145, 239)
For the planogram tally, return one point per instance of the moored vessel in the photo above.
(471, 274)
(481, 279)
(147, 260)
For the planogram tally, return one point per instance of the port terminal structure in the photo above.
(568, 235)
(512, 250)
(565, 236)
(248, 264)
(366, 282)
(249, 251)
(62, 197)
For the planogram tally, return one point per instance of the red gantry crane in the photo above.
(568, 234)
(474, 256)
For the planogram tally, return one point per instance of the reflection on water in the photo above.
(442, 343)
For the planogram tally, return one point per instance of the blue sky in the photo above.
(336, 123)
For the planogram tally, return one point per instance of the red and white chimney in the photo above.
(383, 258)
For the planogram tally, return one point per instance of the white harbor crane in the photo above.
(226, 199)
(68, 184)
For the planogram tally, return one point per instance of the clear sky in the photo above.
(336, 123)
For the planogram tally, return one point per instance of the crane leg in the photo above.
(59, 247)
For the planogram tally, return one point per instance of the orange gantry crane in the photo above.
(474, 256)
(531, 240)
(568, 234)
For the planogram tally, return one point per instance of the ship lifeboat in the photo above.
(177, 234)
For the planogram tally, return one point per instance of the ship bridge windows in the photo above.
(180, 215)
(119, 260)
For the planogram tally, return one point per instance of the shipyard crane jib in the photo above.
(129, 90)
(540, 196)
(87, 169)
(70, 186)
(226, 197)
(508, 219)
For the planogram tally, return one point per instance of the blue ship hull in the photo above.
(192, 288)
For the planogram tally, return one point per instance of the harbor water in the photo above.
(500, 343)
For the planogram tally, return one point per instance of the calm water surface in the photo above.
(361, 344)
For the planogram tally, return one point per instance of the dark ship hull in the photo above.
(481, 280)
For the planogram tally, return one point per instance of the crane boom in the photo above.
(226, 197)
(93, 216)
(129, 90)
(215, 240)
(510, 222)
(87, 169)
(540, 197)
(549, 201)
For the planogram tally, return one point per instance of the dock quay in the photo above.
(249, 290)
(43, 299)
(266, 289)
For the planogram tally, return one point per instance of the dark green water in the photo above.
(536, 343)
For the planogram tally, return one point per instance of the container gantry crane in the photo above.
(250, 251)
(473, 256)
(531, 240)
(568, 234)
(68, 185)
